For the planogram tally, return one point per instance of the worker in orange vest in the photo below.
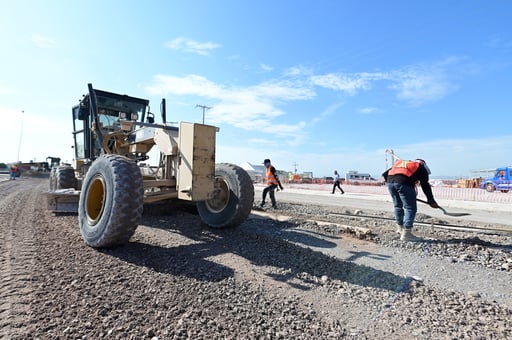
(272, 183)
(401, 181)
(14, 172)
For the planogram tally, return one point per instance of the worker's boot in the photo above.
(407, 235)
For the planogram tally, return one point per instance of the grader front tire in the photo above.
(111, 201)
(233, 198)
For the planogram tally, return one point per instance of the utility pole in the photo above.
(204, 107)
(295, 166)
(21, 134)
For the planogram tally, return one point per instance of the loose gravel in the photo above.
(178, 279)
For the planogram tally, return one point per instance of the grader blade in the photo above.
(64, 200)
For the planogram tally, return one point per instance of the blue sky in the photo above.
(323, 84)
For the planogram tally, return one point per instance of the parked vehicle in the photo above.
(501, 181)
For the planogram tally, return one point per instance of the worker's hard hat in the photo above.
(424, 164)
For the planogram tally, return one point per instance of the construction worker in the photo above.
(14, 172)
(337, 183)
(401, 181)
(272, 183)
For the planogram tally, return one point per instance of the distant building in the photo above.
(353, 175)
(256, 172)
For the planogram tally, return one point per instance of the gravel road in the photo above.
(271, 278)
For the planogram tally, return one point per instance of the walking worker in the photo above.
(337, 183)
(272, 183)
(401, 181)
(14, 172)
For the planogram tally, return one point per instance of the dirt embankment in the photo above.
(178, 279)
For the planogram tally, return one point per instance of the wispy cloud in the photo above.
(326, 113)
(42, 41)
(368, 110)
(415, 84)
(259, 107)
(499, 42)
(192, 46)
(266, 67)
(348, 83)
(298, 71)
(424, 83)
(249, 108)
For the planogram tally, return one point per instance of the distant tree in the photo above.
(3, 165)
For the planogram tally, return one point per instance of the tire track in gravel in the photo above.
(19, 212)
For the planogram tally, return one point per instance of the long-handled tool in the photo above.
(444, 211)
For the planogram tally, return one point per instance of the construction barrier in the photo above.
(446, 193)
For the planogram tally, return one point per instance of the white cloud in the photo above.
(348, 83)
(421, 84)
(298, 71)
(192, 46)
(251, 108)
(266, 67)
(326, 113)
(416, 84)
(42, 41)
(368, 110)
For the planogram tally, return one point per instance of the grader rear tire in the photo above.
(111, 201)
(233, 198)
(65, 178)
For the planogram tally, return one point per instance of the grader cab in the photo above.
(109, 182)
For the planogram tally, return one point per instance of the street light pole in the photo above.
(21, 134)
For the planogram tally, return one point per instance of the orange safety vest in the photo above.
(407, 168)
(270, 177)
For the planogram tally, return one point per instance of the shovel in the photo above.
(444, 211)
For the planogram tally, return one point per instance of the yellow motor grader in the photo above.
(110, 182)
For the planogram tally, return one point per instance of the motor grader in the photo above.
(109, 181)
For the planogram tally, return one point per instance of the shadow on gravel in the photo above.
(185, 260)
(359, 254)
(266, 244)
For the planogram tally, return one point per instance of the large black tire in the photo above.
(65, 178)
(489, 187)
(111, 201)
(233, 198)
